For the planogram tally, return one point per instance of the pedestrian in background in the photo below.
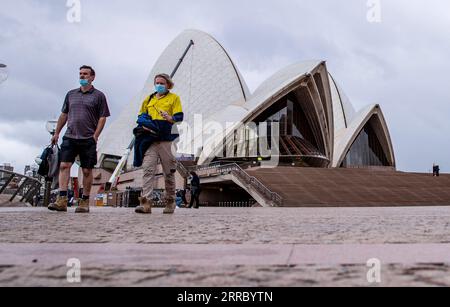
(195, 191)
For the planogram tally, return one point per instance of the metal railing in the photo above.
(18, 185)
(206, 167)
(236, 204)
(184, 172)
(216, 169)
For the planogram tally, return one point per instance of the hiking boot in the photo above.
(170, 208)
(60, 205)
(145, 206)
(83, 206)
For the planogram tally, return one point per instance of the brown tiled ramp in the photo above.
(314, 187)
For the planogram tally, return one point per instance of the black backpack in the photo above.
(44, 166)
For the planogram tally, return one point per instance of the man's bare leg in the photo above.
(83, 206)
(87, 181)
(64, 177)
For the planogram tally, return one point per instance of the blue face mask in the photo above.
(84, 82)
(160, 89)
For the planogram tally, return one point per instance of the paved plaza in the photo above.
(226, 247)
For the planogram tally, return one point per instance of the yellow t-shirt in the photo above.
(170, 103)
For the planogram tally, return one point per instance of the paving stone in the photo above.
(260, 246)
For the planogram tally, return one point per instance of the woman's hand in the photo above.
(167, 117)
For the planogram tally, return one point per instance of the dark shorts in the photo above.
(86, 149)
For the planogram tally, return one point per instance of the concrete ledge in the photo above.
(8, 204)
(219, 254)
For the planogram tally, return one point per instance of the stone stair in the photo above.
(319, 187)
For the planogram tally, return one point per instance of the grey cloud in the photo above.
(400, 63)
(32, 133)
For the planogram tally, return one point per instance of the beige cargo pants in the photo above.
(159, 151)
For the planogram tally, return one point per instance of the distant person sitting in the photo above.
(179, 201)
(183, 197)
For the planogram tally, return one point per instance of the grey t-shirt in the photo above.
(84, 111)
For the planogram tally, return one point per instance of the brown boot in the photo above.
(60, 205)
(170, 207)
(83, 206)
(145, 207)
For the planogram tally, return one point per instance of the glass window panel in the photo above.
(366, 150)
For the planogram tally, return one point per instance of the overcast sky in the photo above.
(401, 62)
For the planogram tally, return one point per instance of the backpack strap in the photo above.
(151, 97)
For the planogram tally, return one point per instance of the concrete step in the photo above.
(349, 187)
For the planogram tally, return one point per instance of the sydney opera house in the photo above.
(326, 153)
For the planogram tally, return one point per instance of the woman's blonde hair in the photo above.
(167, 78)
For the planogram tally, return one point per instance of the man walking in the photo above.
(85, 111)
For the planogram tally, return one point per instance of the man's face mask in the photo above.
(84, 82)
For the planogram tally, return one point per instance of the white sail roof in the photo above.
(206, 81)
(210, 85)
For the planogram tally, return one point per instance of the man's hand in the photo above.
(55, 139)
(61, 123)
(98, 131)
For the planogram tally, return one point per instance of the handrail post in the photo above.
(30, 192)
(19, 189)
(32, 185)
(48, 185)
(7, 183)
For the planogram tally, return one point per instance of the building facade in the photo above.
(316, 124)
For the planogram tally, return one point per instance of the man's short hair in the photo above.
(88, 67)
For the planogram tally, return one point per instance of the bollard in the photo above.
(48, 187)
